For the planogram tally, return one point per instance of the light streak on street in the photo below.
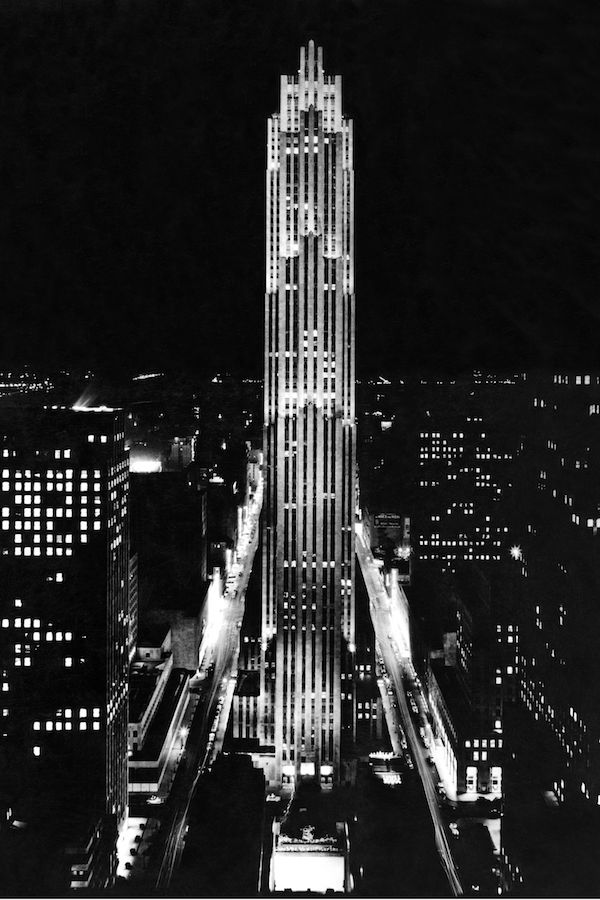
(222, 651)
(390, 618)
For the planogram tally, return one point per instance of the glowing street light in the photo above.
(516, 552)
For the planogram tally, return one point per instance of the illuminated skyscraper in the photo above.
(309, 426)
(64, 569)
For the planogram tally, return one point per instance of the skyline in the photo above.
(474, 240)
(397, 693)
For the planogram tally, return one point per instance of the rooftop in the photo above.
(309, 818)
(142, 683)
(163, 717)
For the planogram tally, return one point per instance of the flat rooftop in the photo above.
(163, 717)
(142, 682)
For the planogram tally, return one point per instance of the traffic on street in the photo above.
(391, 623)
(212, 688)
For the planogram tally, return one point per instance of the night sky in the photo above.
(132, 136)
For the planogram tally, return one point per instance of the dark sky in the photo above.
(133, 151)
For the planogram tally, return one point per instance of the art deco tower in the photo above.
(309, 426)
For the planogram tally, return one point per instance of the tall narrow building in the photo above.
(309, 428)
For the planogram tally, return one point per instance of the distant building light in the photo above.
(144, 377)
(144, 465)
(82, 407)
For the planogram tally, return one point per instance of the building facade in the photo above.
(558, 555)
(309, 426)
(64, 567)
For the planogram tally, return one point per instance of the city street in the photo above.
(206, 736)
(393, 640)
(205, 723)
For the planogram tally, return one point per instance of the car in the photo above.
(155, 799)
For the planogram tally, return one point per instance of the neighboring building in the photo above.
(181, 453)
(311, 851)
(169, 537)
(557, 552)
(309, 429)
(159, 699)
(64, 609)
(444, 452)
(389, 539)
(469, 437)
(466, 682)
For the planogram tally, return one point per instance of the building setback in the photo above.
(64, 568)
(309, 427)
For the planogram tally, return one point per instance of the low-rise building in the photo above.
(311, 851)
(159, 698)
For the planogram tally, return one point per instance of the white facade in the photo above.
(309, 422)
